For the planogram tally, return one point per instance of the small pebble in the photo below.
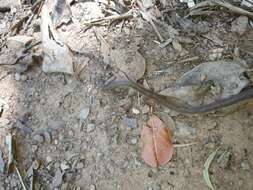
(92, 187)
(48, 137)
(135, 111)
(84, 113)
(240, 25)
(36, 164)
(38, 138)
(129, 122)
(49, 159)
(90, 127)
(145, 109)
(57, 125)
(34, 148)
(184, 130)
(80, 165)
(23, 77)
(17, 77)
(245, 165)
(71, 133)
(65, 166)
(134, 141)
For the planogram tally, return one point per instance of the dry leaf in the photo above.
(157, 148)
(57, 55)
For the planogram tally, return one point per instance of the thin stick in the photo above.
(225, 4)
(184, 145)
(20, 177)
(156, 30)
(126, 15)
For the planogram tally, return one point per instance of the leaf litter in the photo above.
(156, 138)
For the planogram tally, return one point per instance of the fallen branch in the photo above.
(222, 3)
(126, 15)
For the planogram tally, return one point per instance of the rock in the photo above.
(47, 136)
(92, 187)
(184, 130)
(90, 127)
(17, 76)
(216, 54)
(84, 113)
(19, 42)
(38, 138)
(56, 124)
(135, 111)
(49, 159)
(129, 122)
(211, 124)
(57, 180)
(245, 165)
(134, 141)
(145, 109)
(240, 25)
(65, 166)
(34, 148)
(80, 165)
(154, 187)
(23, 77)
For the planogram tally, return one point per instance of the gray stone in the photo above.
(84, 113)
(80, 165)
(17, 76)
(65, 166)
(48, 137)
(130, 122)
(184, 130)
(134, 141)
(90, 127)
(18, 42)
(38, 138)
(56, 124)
(57, 180)
(145, 109)
(240, 25)
(23, 77)
(49, 159)
(245, 165)
(92, 187)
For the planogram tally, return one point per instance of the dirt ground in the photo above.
(89, 139)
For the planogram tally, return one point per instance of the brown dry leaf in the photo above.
(157, 148)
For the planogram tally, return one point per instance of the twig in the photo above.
(225, 4)
(194, 58)
(184, 145)
(126, 15)
(167, 42)
(156, 30)
(20, 178)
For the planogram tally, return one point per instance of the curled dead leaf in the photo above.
(157, 148)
